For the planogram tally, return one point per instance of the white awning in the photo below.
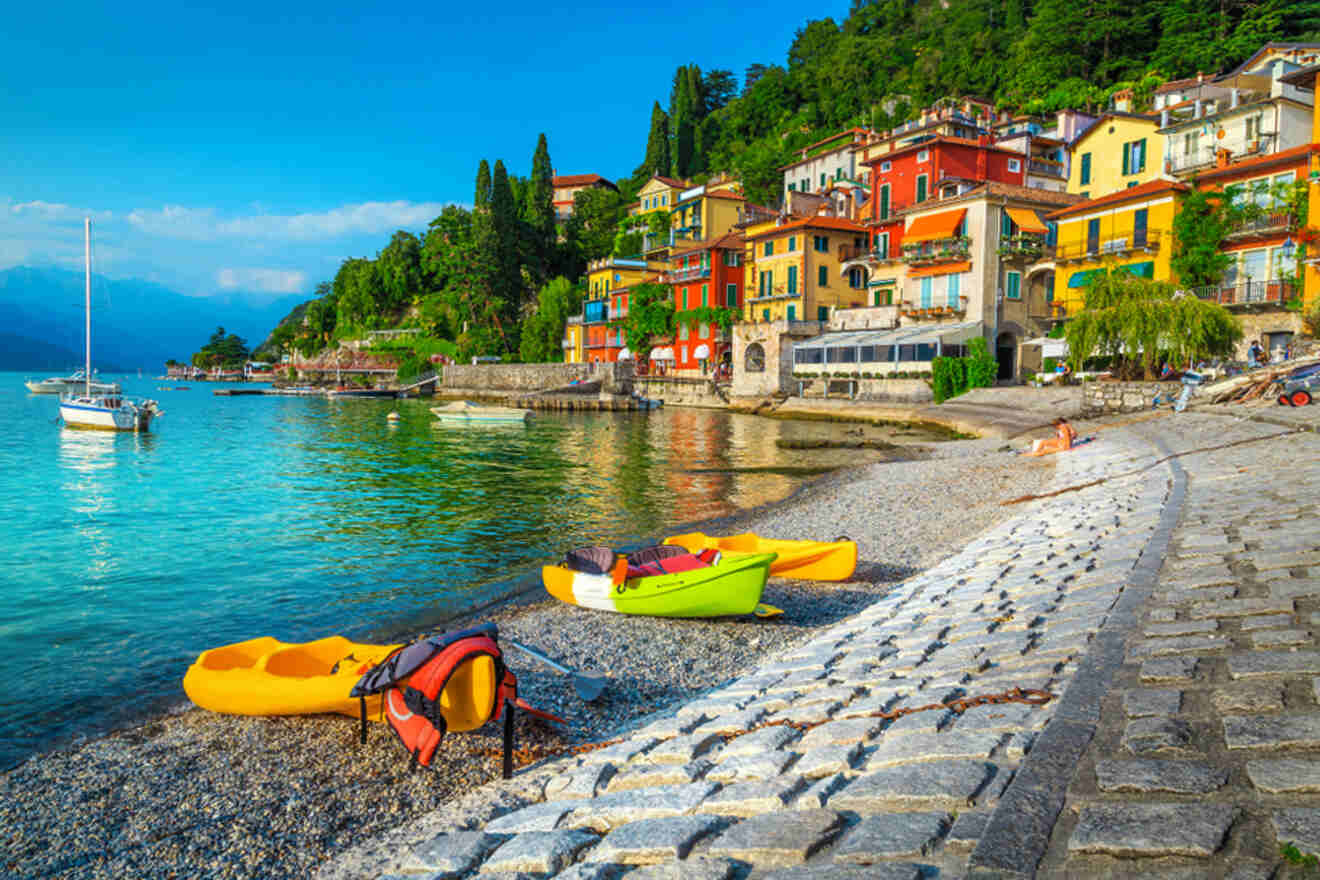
(701, 352)
(662, 354)
(1050, 348)
(901, 344)
(625, 354)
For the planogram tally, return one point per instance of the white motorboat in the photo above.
(68, 384)
(467, 411)
(88, 407)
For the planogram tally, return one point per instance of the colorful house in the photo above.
(657, 198)
(710, 211)
(1306, 79)
(709, 275)
(793, 268)
(575, 341)
(608, 281)
(1130, 230)
(825, 162)
(569, 185)
(1118, 151)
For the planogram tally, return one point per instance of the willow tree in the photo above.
(1138, 322)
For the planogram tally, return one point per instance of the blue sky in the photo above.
(254, 146)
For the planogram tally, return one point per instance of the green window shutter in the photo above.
(1013, 286)
(769, 248)
(765, 313)
(822, 313)
(1141, 155)
(1127, 158)
(884, 202)
(822, 180)
(685, 299)
(1086, 169)
(703, 295)
(823, 275)
(921, 188)
(792, 243)
(1005, 225)
(792, 280)
(792, 312)
(730, 294)
(926, 293)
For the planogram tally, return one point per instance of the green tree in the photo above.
(400, 269)
(481, 196)
(719, 88)
(650, 317)
(657, 145)
(589, 232)
(540, 211)
(543, 329)
(1199, 225)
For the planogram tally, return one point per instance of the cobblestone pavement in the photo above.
(1168, 609)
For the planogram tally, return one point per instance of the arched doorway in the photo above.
(754, 359)
(1006, 355)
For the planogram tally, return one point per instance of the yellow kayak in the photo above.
(268, 677)
(805, 560)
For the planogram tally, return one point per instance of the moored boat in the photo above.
(730, 586)
(268, 677)
(467, 411)
(806, 560)
(69, 384)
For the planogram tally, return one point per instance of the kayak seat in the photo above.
(468, 698)
(590, 560)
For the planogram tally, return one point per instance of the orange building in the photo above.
(709, 275)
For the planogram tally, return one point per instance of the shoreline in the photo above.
(198, 787)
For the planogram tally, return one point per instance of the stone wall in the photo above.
(679, 391)
(1101, 397)
(775, 339)
(1259, 325)
(910, 391)
(615, 378)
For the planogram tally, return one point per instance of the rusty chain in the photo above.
(1030, 696)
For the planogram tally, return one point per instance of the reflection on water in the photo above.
(297, 518)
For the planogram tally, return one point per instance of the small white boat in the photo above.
(69, 384)
(467, 411)
(89, 407)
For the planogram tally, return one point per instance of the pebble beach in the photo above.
(195, 794)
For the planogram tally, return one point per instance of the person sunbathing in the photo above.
(1064, 437)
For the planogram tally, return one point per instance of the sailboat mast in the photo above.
(87, 302)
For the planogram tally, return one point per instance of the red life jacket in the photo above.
(456, 681)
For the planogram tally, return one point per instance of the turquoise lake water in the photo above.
(302, 517)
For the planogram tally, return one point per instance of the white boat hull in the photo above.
(69, 386)
(463, 411)
(98, 416)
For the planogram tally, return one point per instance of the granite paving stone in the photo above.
(694, 868)
(1299, 826)
(582, 783)
(777, 839)
(1151, 829)
(1179, 777)
(1280, 638)
(1272, 731)
(590, 871)
(650, 775)
(827, 760)
(754, 798)
(1169, 670)
(649, 841)
(1247, 698)
(1152, 701)
(944, 784)
(453, 853)
(621, 752)
(1282, 775)
(891, 835)
(618, 808)
(882, 871)
(767, 739)
(682, 749)
(1267, 621)
(945, 746)
(541, 852)
(537, 817)
(750, 768)
(1241, 608)
(1182, 628)
(1148, 736)
(1180, 645)
(852, 730)
(732, 722)
(968, 828)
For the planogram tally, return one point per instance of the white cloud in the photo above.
(266, 280)
(367, 218)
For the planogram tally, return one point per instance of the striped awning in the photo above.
(1027, 221)
(933, 226)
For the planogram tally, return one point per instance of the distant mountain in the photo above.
(135, 323)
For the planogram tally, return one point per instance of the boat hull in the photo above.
(101, 418)
(70, 386)
(470, 412)
(268, 677)
(731, 587)
(805, 560)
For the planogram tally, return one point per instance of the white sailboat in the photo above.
(65, 384)
(93, 408)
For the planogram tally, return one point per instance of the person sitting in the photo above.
(1063, 439)
(1255, 354)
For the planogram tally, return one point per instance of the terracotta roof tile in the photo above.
(816, 222)
(1297, 155)
(1148, 188)
(579, 180)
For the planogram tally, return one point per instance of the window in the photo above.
(1134, 157)
(1013, 285)
(792, 312)
(646, 204)
(1255, 265)
(923, 156)
(1093, 235)
(821, 243)
(685, 299)
(1139, 219)
(730, 258)
(769, 249)
(885, 166)
(856, 278)
(792, 280)
(703, 331)
(1281, 266)
(1084, 194)
(1086, 169)
(953, 290)
(792, 243)
(822, 313)
(1005, 225)
(792, 187)
(926, 293)
(1253, 127)
(765, 313)
(664, 200)
(730, 294)
(806, 185)
(823, 276)
(704, 289)
(921, 187)
(882, 205)
(882, 245)
(682, 331)
(1014, 166)
(754, 358)
(1191, 143)
(822, 180)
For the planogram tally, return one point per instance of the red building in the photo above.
(939, 167)
(709, 275)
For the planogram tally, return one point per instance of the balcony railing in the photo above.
(848, 253)
(941, 250)
(1265, 224)
(1247, 293)
(1097, 249)
(1046, 168)
(574, 319)
(1024, 245)
(617, 312)
(1206, 154)
(690, 273)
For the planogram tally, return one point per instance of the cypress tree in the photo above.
(506, 280)
(657, 143)
(481, 199)
(540, 211)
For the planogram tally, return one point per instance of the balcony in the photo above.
(1046, 168)
(1092, 250)
(574, 319)
(617, 312)
(691, 273)
(1265, 224)
(1208, 154)
(941, 250)
(1249, 293)
(1023, 246)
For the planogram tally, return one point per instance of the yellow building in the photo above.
(709, 211)
(1118, 151)
(793, 269)
(1131, 230)
(1306, 79)
(574, 341)
(612, 273)
(658, 195)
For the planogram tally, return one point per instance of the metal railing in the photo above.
(937, 251)
(1047, 167)
(1098, 248)
(1266, 223)
(688, 274)
(1028, 245)
(1247, 292)
(1207, 154)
